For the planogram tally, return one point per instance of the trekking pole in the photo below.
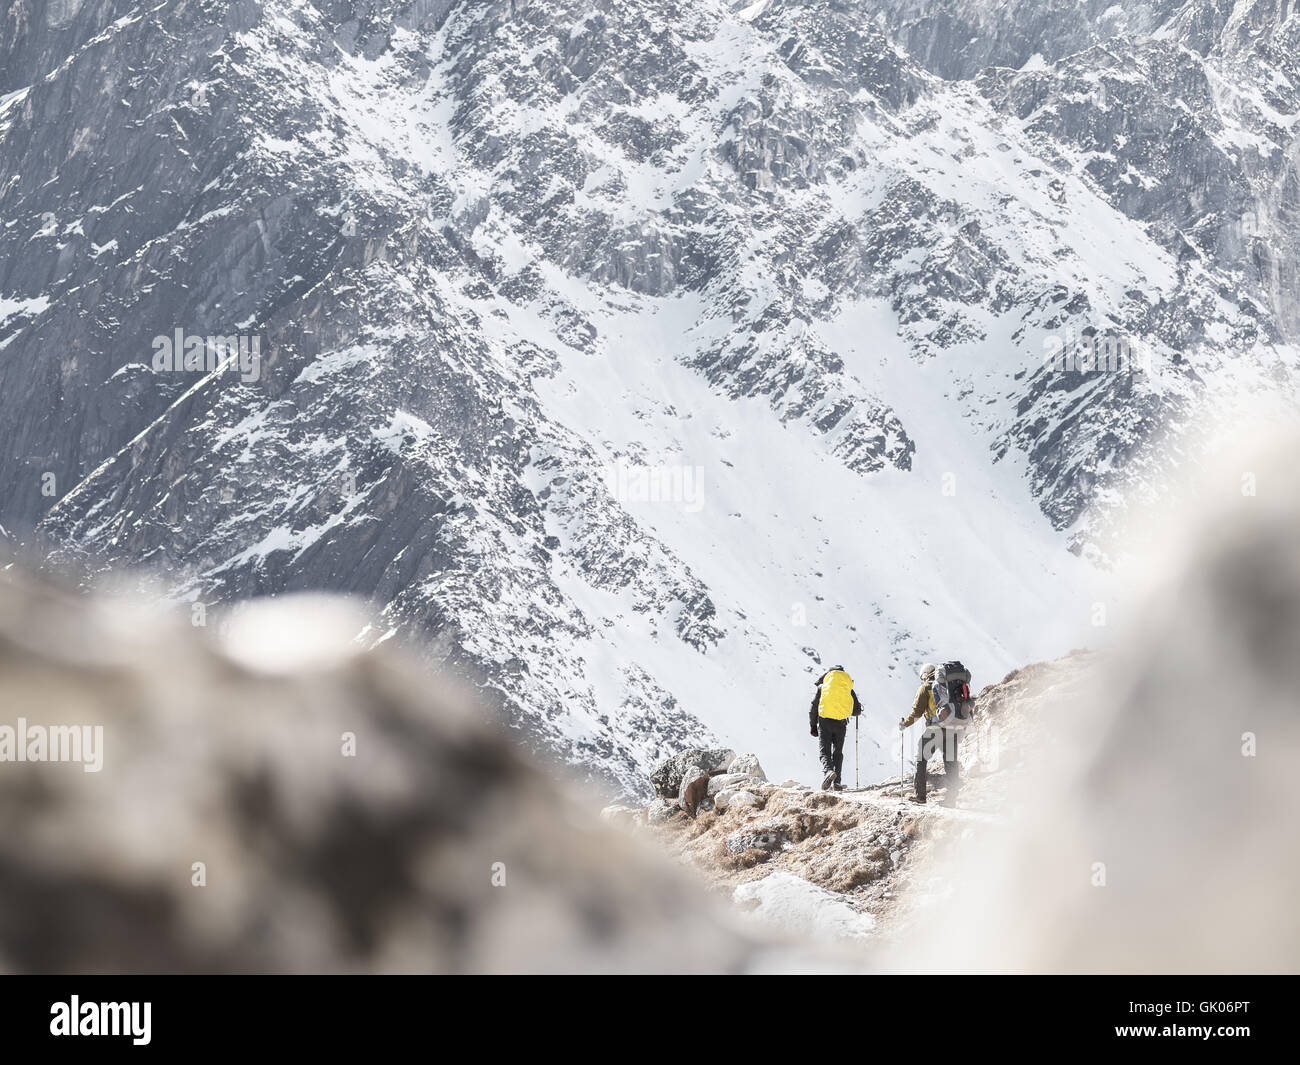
(855, 754)
(902, 757)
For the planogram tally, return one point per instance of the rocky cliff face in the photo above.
(510, 269)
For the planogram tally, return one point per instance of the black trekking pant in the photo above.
(831, 733)
(946, 740)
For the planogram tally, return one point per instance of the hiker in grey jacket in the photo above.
(946, 715)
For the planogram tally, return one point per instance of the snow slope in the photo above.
(808, 563)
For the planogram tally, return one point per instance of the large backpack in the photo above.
(956, 678)
(836, 699)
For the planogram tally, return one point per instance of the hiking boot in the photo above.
(918, 799)
(828, 780)
(839, 786)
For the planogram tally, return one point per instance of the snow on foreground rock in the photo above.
(803, 908)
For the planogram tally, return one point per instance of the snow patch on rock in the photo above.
(803, 908)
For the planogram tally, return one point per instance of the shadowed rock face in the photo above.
(229, 752)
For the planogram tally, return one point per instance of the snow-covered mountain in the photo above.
(637, 359)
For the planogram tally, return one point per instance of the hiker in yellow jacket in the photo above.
(833, 703)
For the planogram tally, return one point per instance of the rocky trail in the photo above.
(857, 863)
(893, 796)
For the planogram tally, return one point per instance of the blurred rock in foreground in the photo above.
(230, 752)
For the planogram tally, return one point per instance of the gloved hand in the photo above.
(813, 730)
(902, 724)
